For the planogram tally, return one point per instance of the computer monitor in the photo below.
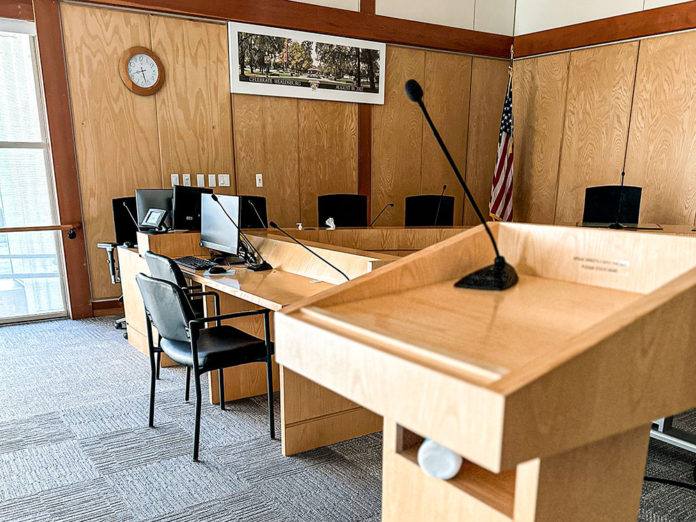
(217, 231)
(125, 230)
(606, 204)
(186, 207)
(249, 219)
(145, 199)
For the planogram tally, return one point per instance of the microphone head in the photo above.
(390, 205)
(273, 224)
(413, 90)
(213, 197)
(444, 187)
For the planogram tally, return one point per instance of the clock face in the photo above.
(142, 70)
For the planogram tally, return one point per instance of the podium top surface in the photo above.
(587, 344)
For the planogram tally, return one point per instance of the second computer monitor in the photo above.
(217, 231)
(145, 199)
(187, 207)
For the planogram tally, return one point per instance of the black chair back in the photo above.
(422, 211)
(609, 203)
(248, 218)
(167, 306)
(125, 230)
(162, 267)
(347, 210)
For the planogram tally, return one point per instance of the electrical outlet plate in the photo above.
(186, 179)
(211, 180)
(224, 180)
(259, 180)
(175, 179)
(200, 180)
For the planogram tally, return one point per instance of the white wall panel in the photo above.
(652, 4)
(454, 13)
(494, 16)
(540, 15)
(352, 5)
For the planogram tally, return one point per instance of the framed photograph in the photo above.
(279, 62)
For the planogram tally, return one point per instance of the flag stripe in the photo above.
(500, 204)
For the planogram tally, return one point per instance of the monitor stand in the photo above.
(622, 226)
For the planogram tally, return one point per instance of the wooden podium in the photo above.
(547, 390)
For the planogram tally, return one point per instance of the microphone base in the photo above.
(498, 276)
(616, 226)
(260, 267)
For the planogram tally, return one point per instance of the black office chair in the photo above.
(162, 267)
(248, 218)
(188, 342)
(429, 210)
(347, 210)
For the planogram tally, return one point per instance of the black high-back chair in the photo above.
(163, 267)
(429, 210)
(347, 210)
(249, 218)
(187, 341)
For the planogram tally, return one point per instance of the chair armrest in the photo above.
(226, 316)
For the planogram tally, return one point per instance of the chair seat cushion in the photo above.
(218, 347)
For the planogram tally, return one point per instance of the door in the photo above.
(32, 273)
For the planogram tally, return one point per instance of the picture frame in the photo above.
(298, 64)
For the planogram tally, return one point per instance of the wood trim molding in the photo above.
(52, 60)
(666, 19)
(367, 6)
(107, 306)
(17, 9)
(365, 155)
(328, 20)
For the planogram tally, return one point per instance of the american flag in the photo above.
(500, 205)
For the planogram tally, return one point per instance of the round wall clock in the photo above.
(142, 71)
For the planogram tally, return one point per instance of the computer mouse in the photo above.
(217, 270)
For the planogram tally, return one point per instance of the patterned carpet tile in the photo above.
(125, 449)
(40, 468)
(33, 431)
(173, 485)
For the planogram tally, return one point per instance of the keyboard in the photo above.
(195, 263)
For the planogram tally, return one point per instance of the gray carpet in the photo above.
(74, 445)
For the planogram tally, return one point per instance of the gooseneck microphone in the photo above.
(439, 204)
(380, 213)
(251, 203)
(135, 221)
(498, 276)
(616, 223)
(273, 225)
(255, 266)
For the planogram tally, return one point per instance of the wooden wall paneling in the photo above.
(447, 86)
(488, 86)
(17, 9)
(266, 141)
(365, 119)
(193, 106)
(397, 136)
(539, 93)
(328, 152)
(115, 130)
(661, 153)
(600, 88)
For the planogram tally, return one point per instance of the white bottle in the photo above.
(437, 461)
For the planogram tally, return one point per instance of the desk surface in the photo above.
(272, 289)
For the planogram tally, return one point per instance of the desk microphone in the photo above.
(498, 276)
(256, 266)
(616, 224)
(135, 222)
(273, 225)
(251, 203)
(439, 204)
(380, 213)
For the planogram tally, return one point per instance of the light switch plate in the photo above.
(211, 180)
(186, 179)
(200, 180)
(175, 179)
(259, 180)
(224, 180)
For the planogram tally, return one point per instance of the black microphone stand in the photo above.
(616, 224)
(255, 265)
(380, 213)
(498, 276)
(439, 204)
(273, 225)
